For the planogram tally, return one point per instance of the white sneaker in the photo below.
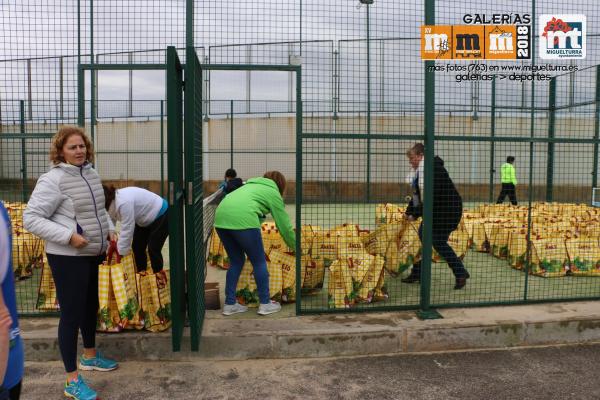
(230, 309)
(269, 308)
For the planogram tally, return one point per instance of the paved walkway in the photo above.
(565, 372)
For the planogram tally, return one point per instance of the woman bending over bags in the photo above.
(144, 223)
(66, 209)
(237, 221)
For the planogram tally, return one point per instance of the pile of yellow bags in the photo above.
(130, 300)
(355, 259)
(356, 279)
(282, 279)
(564, 237)
(27, 249)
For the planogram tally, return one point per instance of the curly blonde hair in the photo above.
(61, 137)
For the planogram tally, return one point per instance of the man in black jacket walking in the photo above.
(447, 212)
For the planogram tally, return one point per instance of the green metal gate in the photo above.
(176, 193)
(195, 225)
(194, 216)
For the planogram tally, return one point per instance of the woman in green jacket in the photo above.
(237, 222)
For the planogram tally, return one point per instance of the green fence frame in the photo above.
(297, 69)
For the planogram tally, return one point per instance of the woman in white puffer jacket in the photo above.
(66, 209)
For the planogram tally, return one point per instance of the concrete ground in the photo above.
(352, 334)
(567, 372)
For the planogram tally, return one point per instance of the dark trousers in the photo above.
(238, 244)
(440, 244)
(15, 391)
(76, 280)
(508, 189)
(153, 238)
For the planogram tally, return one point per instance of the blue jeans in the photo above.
(440, 244)
(238, 244)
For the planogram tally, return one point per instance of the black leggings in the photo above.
(76, 280)
(152, 237)
(15, 391)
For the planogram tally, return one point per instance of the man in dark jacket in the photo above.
(447, 212)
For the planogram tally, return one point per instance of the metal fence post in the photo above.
(130, 83)
(299, 189)
(551, 124)
(23, 152)
(427, 225)
(61, 88)
(162, 148)
(231, 134)
(80, 96)
(492, 143)
(29, 92)
(531, 157)
(368, 194)
(336, 83)
(92, 76)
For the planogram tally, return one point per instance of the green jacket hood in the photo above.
(263, 181)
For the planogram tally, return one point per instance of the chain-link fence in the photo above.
(365, 93)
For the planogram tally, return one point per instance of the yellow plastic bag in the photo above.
(339, 287)
(287, 264)
(350, 246)
(306, 238)
(22, 266)
(46, 299)
(122, 277)
(549, 258)
(358, 268)
(245, 291)
(380, 214)
(109, 319)
(155, 299)
(325, 248)
(479, 237)
(377, 242)
(314, 275)
(272, 240)
(404, 252)
(584, 256)
(371, 288)
(217, 256)
(517, 249)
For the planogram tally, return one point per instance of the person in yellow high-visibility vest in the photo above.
(509, 181)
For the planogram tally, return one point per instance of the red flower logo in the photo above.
(556, 25)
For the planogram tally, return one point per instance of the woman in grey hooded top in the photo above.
(66, 209)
